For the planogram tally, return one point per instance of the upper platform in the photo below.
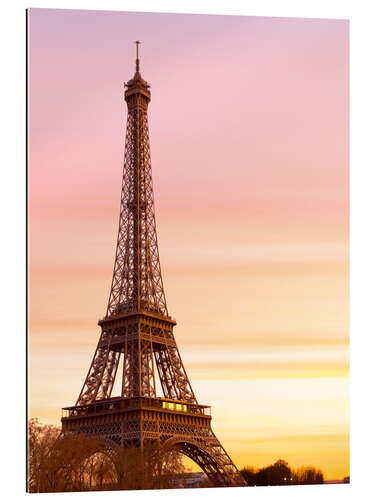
(137, 85)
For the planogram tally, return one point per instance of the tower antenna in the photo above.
(137, 59)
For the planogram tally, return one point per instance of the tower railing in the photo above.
(124, 404)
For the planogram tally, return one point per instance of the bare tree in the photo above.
(148, 467)
(308, 475)
(75, 462)
(41, 441)
(58, 462)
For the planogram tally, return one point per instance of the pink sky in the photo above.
(249, 140)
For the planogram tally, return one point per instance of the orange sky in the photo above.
(249, 139)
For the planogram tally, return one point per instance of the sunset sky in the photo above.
(249, 141)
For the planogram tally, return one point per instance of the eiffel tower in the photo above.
(137, 333)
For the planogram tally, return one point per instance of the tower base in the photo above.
(176, 425)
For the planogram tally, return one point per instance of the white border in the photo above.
(12, 94)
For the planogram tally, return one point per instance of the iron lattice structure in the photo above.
(137, 332)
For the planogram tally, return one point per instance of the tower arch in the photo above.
(214, 465)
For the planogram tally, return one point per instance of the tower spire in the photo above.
(137, 59)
